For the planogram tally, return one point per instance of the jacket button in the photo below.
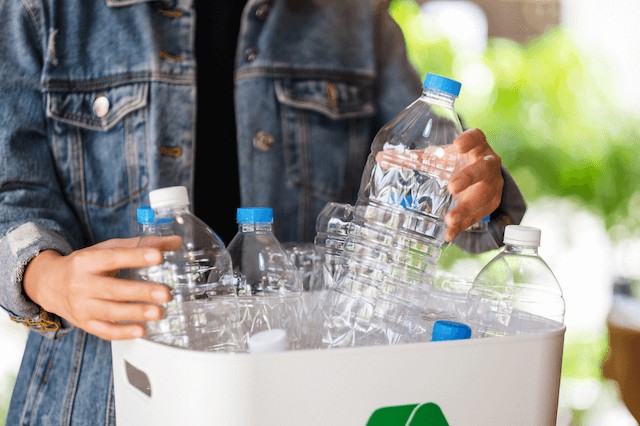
(250, 54)
(263, 141)
(101, 106)
(263, 11)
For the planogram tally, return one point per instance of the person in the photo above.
(98, 106)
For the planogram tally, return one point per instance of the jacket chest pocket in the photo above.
(327, 130)
(98, 141)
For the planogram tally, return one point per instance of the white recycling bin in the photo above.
(496, 381)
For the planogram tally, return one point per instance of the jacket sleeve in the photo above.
(511, 209)
(33, 213)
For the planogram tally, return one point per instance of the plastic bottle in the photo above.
(450, 330)
(145, 218)
(516, 292)
(397, 232)
(203, 314)
(201, 267)
(332, 227)
(268, 284)
(269, 341)
(157, 331)
(458, 266)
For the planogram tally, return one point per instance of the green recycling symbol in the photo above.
(427, 414)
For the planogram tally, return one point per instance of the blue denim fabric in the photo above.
(97, 108)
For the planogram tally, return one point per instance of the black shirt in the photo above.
(216, 188)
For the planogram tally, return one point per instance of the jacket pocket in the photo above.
(99, 141)
(336, 100)
(327, 130)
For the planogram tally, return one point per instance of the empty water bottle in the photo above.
(516, 292)
(201, 266)
(332, 227)
(397, 232)
(458, 266)
(203, 314)
(269, 286)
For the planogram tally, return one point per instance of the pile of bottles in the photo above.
(378, 272)
(246, 296)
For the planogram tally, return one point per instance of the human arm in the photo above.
(41, 180)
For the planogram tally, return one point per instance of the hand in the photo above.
(82, 288)
(477, 187)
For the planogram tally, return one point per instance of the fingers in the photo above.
(107, 330)
(162, 243)
(487, 169)
(477, 188)
(115, 243)
(107, 260)
(471, 139)
(473, 205)
(115, 306)
(123, 290)
(165, 243)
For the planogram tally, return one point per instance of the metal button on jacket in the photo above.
(251, 54)
(263, 141)
(262, 11)
(101, 106)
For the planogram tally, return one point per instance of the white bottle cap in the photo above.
(169, 196)
(269, 341)
(521, 235)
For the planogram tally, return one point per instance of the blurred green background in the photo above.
(547, 108)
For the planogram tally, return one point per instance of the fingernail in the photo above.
(150, 314)
(151, 256)
(159, 294)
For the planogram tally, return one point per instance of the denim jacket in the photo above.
(97, 108)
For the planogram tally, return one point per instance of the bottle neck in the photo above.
(518, 249)
(439, 98)
(146, 228)
(169, 211)
(251, 227)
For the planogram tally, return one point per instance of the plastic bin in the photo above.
(493, 381)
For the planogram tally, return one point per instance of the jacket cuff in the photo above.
(17, 248)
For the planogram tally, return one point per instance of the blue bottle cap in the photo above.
(145, 215)
(450, 330)
(254, 215)
(486, 219)
(444, 84)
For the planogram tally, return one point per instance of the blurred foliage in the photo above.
(583, 354)
(545, 108)
(6, 387)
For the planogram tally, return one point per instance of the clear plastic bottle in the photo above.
(203, 314)
(516, 292)
(397, 232)
(458, 266)
(156, 331)
(269, 286)
(201, 267)
(332, 227)
(146, 219)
